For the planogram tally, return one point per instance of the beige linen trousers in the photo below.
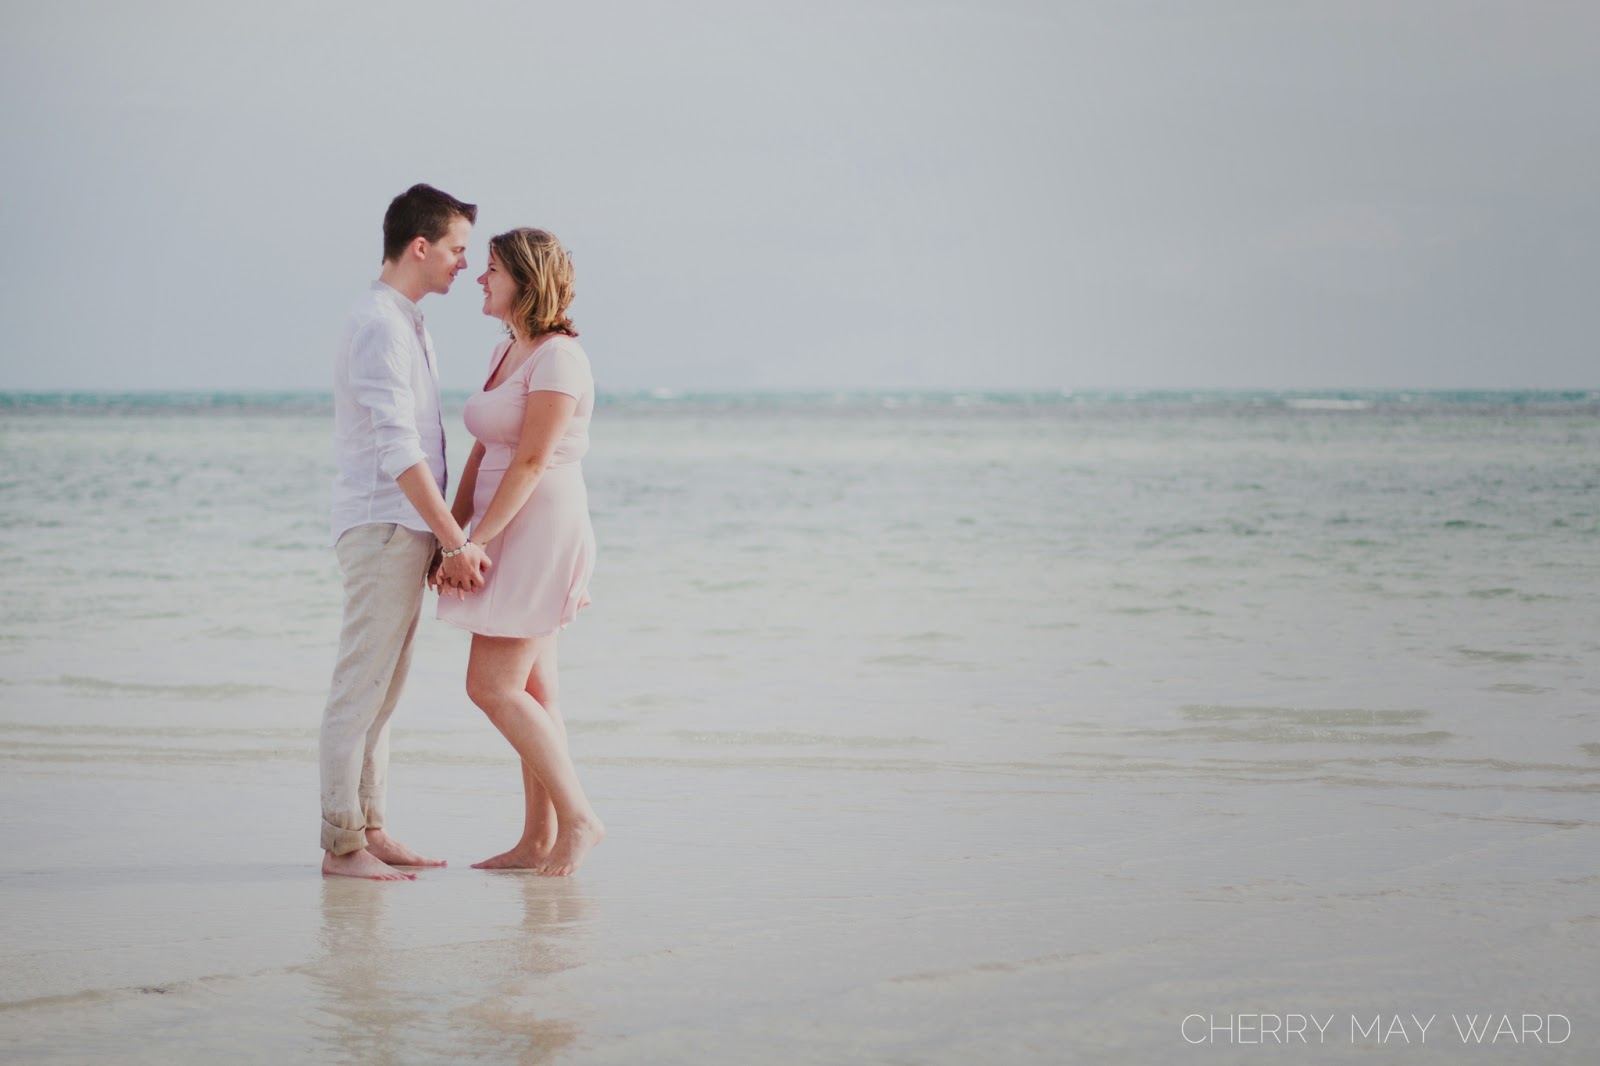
(384, 566)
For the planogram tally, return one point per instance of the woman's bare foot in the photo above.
(391, 851)
(361, 864)
(573, 841)
(528, 853)
(521, 857)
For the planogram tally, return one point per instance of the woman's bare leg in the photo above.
(539, 814)
(514, 682)
(539, 821)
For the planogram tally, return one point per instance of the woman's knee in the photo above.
(488, 696)
(542, 689)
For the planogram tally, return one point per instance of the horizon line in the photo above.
(667, 392)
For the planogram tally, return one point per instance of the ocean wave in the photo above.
(1329, 404)
(223, 690)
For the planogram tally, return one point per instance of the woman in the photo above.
(523, 491)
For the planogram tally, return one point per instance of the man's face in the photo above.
(447, 256)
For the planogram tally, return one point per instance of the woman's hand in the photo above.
(460, 574)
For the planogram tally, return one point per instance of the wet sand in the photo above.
(773, 906)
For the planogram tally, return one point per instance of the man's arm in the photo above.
(465, 569)
(379, 368)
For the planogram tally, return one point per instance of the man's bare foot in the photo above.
(391, 851)
(361, 864)
(521, 857)
(573, 842)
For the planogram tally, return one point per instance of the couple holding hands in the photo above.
(519, 577)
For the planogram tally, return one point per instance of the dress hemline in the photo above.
(518, 636)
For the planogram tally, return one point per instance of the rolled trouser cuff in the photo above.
(337, 840)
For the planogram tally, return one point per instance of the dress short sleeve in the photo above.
(561, 367)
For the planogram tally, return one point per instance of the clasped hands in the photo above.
(460, 574)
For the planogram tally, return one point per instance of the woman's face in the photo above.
(499, 290)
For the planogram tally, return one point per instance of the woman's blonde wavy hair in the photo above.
(542, 270)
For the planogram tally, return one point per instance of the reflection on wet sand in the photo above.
(363, 1014)
(391, 989)
(548, 941)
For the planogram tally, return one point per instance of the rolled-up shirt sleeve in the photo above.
(380, 382)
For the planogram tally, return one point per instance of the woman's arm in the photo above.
(546, 419)
(461, 510)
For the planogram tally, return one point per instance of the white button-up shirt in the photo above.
(385, 411)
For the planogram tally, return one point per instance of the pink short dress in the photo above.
(543, 559)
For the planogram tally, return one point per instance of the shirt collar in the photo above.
(399, 299)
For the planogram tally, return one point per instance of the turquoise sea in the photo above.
(928, 727)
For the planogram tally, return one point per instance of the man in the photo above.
(389, 518)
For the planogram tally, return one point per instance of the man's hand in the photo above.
(464, 572)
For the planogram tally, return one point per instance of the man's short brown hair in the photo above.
(421, 211)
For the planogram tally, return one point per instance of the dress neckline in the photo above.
(498, 363)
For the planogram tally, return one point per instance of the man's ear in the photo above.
(418, 248)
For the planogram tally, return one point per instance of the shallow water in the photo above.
(926, 730)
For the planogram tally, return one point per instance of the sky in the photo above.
(874, 194)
